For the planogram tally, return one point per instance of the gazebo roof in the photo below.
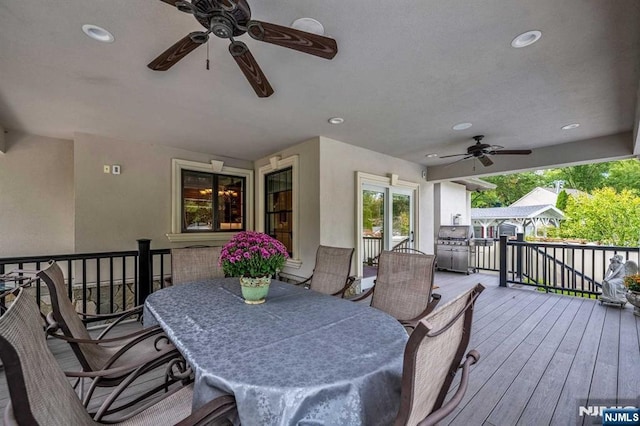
(516, 212)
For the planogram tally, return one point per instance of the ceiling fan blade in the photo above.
(486, 161)
(453, 155)
(171, 2)
(457, 161)
(313, 44)
(511, 152)
(172, 55)
(250, 69)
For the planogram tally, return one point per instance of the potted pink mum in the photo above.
(254, 257)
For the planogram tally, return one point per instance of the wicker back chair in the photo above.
(195, 264)
(40, 393)
(331, 272)
(431, 359)
(403, 287)
(102, 352)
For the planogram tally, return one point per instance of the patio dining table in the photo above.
(300, 358)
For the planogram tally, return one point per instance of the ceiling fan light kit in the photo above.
(227, 19)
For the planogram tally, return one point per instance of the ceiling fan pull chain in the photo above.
(207, 55)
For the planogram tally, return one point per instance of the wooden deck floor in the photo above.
(542, 356)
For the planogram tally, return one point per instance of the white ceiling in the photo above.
(405, 73)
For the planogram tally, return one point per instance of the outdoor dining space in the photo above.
(542, 356)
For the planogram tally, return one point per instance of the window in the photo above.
(278, 213)
(210, 201)
(279, 206)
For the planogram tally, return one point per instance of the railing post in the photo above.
(520, 239)
(144, 270)
(503, 260)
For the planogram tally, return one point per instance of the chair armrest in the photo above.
(100, 317)
(147, 332)
(363, 295)
(142, 362)
(121, 316)
(413, 322)
(212, 410)
(304, 282)
(472, 357)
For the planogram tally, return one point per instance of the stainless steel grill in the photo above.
(455, 249)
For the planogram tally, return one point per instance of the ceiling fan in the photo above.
(482, 151)
(232, 18)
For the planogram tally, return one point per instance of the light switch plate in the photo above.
(106, 168)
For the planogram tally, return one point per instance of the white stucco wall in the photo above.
(112, 211)
(453, 200)
(36, 189)
(339, 163)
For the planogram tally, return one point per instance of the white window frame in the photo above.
(275, 164)
(391, 181)
(177, 166)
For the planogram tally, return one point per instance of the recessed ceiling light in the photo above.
(336, 120)
(462, 126)
(431, 155)
(309, 25)
(98, 33)
(570, 126)
(526, 39)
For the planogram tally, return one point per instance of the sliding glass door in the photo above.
(387, 222)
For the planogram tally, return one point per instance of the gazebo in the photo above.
(526, 219)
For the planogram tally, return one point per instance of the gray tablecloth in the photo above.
(301, 358)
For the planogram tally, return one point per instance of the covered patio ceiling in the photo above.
(403, 77)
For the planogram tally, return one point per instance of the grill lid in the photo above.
(463, 232)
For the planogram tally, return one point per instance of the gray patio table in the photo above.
(300, 358)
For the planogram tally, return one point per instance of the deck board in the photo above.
(628, 371)
(578, 381)
(540, 355)
(511, 405)
(504, 361)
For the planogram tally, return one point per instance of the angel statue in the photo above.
(613, 289)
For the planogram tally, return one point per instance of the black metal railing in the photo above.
(100, 282)
(573, 269)
(487, 256)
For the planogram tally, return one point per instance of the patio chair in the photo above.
(41, 394)
(331, 272)
(431, 359)
(103, 352)
(403, 286)
(195, 264)
(411, 250)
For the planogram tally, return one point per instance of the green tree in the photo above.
(509, 188)
(606, 216)
(561, 201)
(372, 209)
(586, 177)
(625, 174)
